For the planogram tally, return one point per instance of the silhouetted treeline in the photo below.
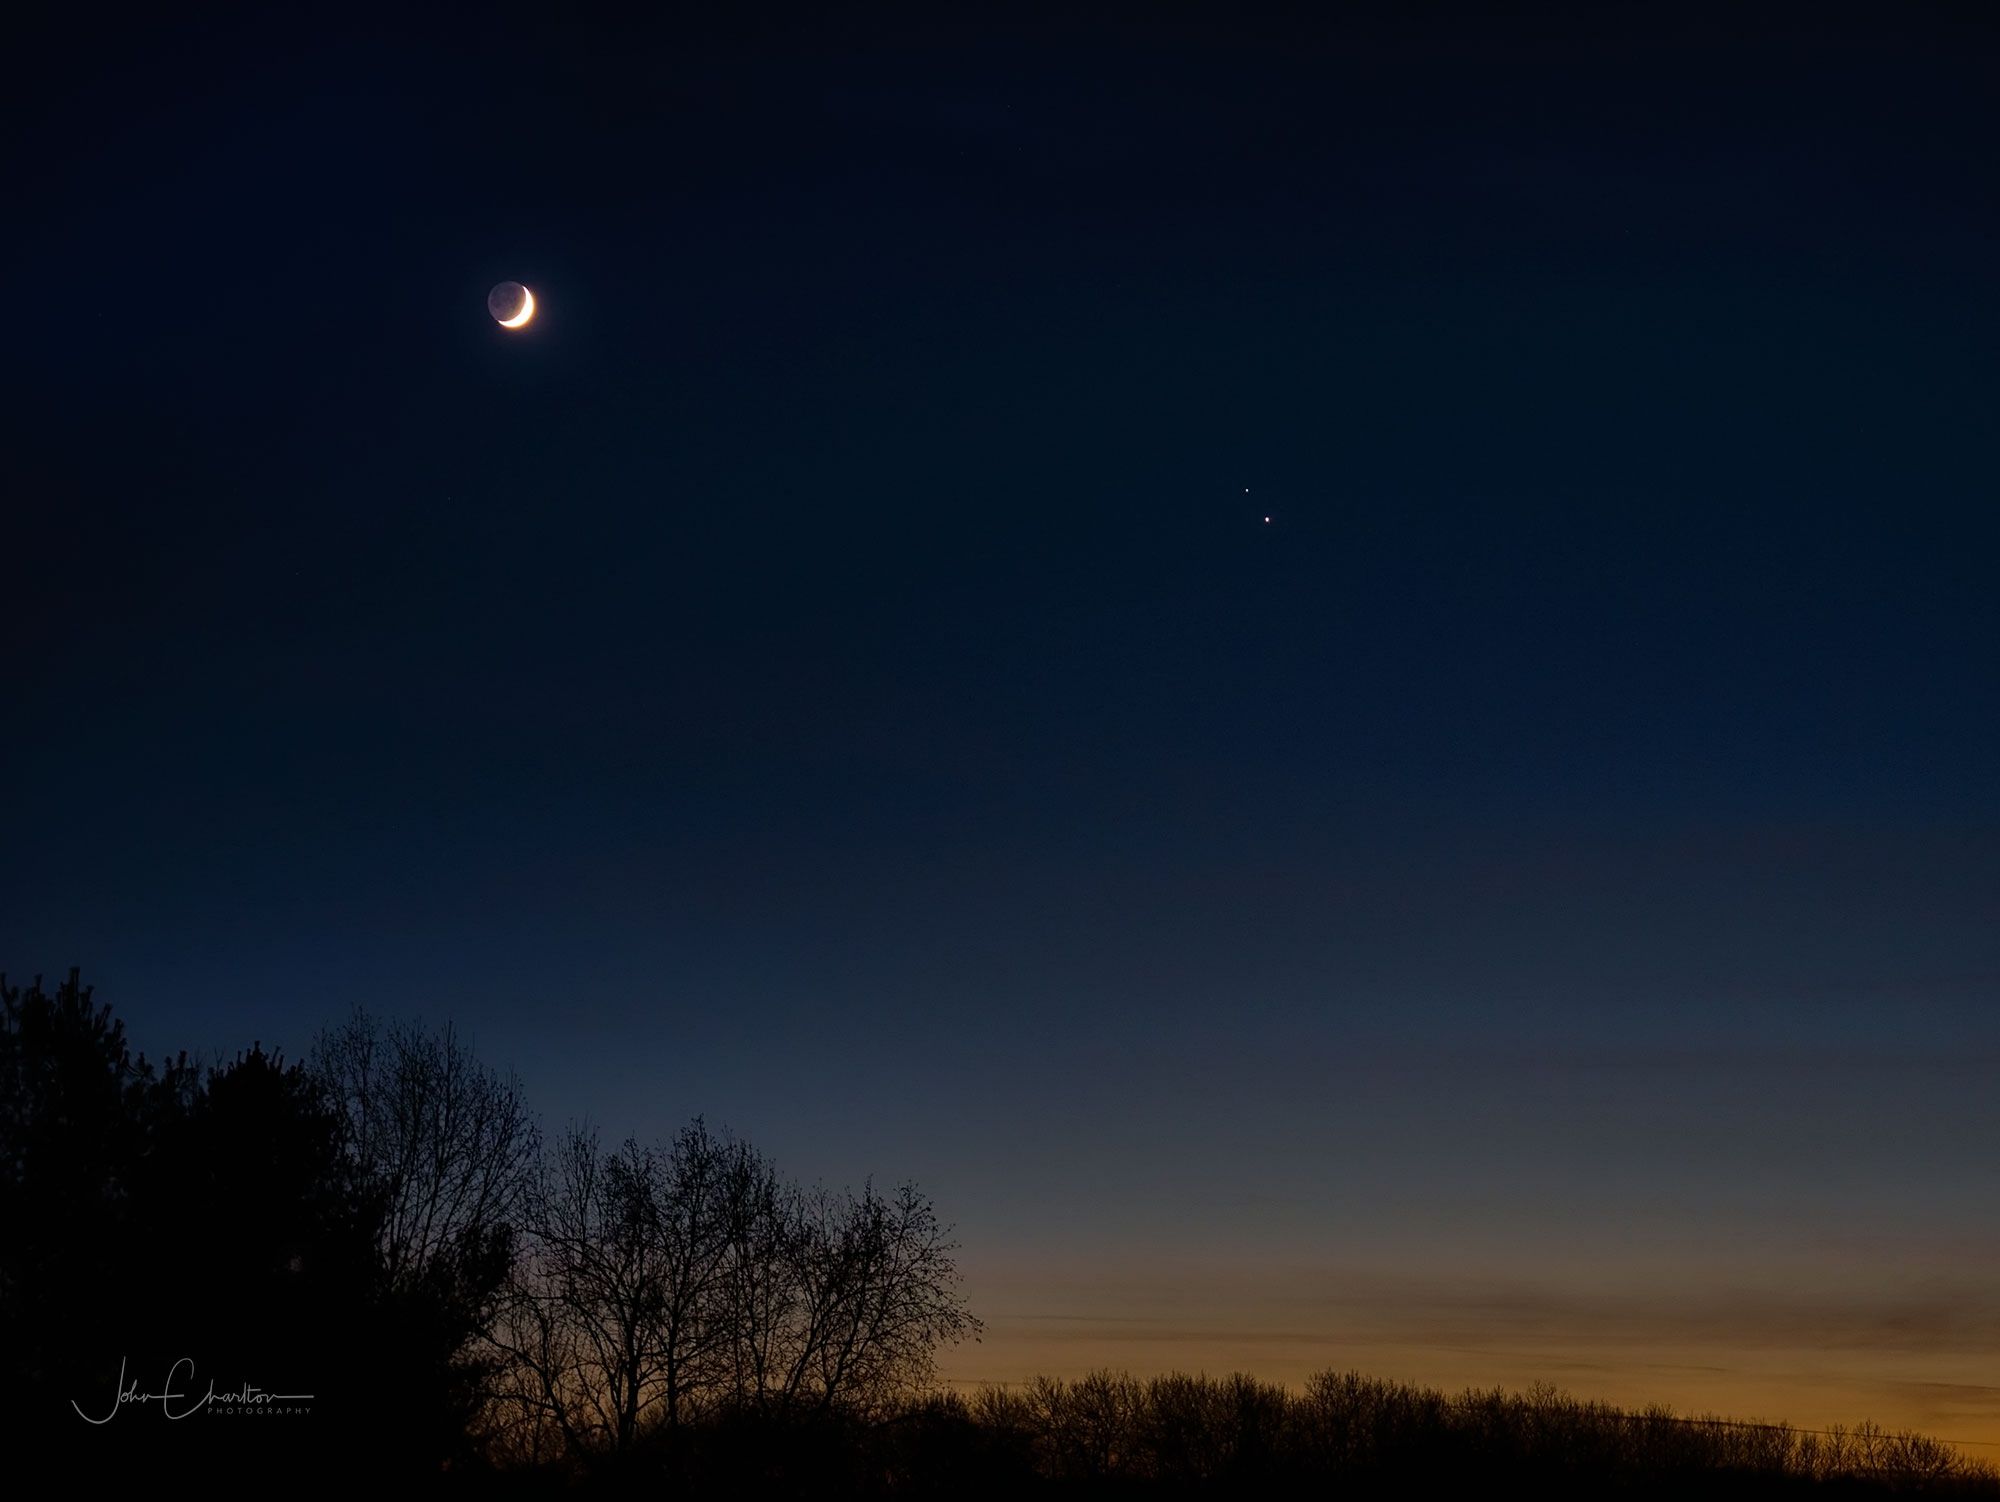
(384, 1229)
(380, 1236)
(1384, 1438)
(1343, 1436)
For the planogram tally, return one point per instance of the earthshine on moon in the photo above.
(511, 305)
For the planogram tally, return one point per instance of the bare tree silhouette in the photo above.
(449, 1144)
(868, 1292)
(662, 1285)
(580, 1319)
(447, 1149)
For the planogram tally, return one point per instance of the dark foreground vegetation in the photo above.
(381, 1236)
(1350, 1435)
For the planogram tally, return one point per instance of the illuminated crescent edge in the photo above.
(527, 312)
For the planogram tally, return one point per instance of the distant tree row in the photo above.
(1110, 1429)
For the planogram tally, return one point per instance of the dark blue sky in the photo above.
(832, 670)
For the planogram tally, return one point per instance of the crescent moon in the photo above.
(527, 311)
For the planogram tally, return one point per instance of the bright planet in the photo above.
(511, 305)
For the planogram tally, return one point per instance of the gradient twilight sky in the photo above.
(1529, 911)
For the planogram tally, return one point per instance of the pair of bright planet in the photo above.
(511, 305)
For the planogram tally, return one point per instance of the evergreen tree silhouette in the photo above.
(154, 1216)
